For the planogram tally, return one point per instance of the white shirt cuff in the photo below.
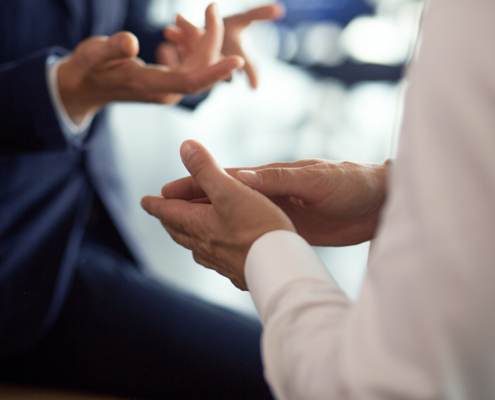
(276, 259)
(72, 132)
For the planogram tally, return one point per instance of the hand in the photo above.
(102, 70)
(185, 37)
(329, 203)
(221, 233)
(205, 51)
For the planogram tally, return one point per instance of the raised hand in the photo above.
(102, 70)
(329, 203)
(221, 233)
(185, 36)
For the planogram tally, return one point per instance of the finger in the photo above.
(278, 181)
(249, 68)
(167, 54)
(204, 200)
(157, 80)
(188, 29)
(269, 12)
(292, 164)
(177, 214)
(180, 237)
(212, 41)
(208, 77)
(119, 45)
(220, 187)
(185, 189)
(175, 34)
(251, 73)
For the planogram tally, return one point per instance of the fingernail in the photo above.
(251, 178)
(188, 149)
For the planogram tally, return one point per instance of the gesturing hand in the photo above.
(102, 69)
(329, 203)
(220, 233)
(185, 36)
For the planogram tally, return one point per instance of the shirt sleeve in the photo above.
(297, 300)
(422, 327)
(74, 133)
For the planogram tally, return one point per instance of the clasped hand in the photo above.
(218, 214)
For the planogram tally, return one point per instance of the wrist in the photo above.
(382, 172)
(373, 197)
(73, 95)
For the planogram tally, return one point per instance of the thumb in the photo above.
(119, 45)
(220, 187)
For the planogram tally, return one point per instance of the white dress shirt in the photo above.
(74, 133)
(424, 324)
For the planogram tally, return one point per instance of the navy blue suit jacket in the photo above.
(46, 184)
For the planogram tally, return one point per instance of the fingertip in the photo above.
(236, 61)
(252, 75)
(253, 80)
(164, 190)
(212, 17)
(214, 9)
(280, 11)
(151, 204)
(128, 43)
(145, 202)
(187, 149)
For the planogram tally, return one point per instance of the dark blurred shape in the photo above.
(341, 11)
(351, 72)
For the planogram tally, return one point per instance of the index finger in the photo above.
(159, 80)
(186, 189)
(269, 12)
(273, 11)
(178, 214)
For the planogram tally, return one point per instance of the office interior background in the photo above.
(330, 86)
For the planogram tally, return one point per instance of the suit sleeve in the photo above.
(28, 122)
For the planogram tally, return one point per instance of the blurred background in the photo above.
(330, 86)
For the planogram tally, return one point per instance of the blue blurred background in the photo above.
(330, 87)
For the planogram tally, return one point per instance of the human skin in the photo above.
(183, 37)
(330, 203)
(219, 217)
(106, 69)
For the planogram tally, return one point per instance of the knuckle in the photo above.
(198, 259)
(197, 164)
(279, 174)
